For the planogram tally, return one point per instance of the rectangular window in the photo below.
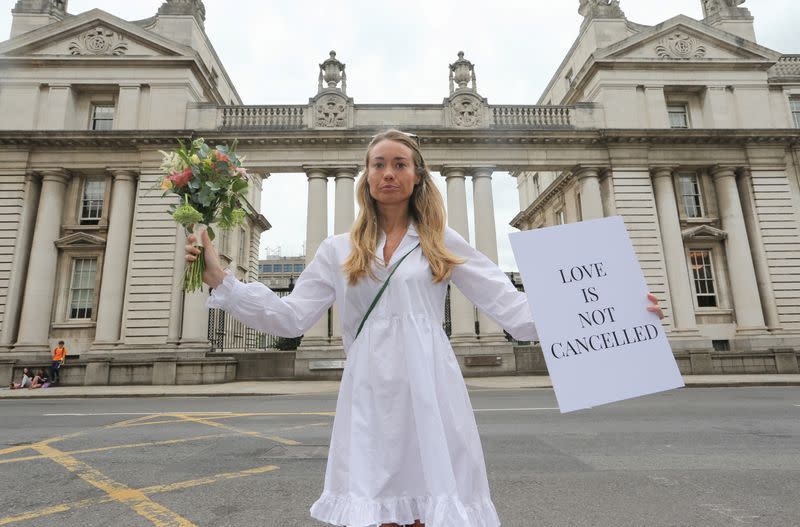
(266, 268)
(81, 288)
(94, 191)
(561, 219)
(678, 116)
(287, 268)
(536, 190)
(795, 105)
(703, 278)
(102, 117)
(298, 268)
(690, 194)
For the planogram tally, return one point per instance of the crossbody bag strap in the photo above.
(380, 292)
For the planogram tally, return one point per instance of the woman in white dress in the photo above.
(405, 448)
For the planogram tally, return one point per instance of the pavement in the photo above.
(256, 388)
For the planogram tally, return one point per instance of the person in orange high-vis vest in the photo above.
(59, 356)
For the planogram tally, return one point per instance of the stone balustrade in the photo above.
(518, 116)
(787, 66)
(285, 116)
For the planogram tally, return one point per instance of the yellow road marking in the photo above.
(116, 447)
(180, 485)
(11, 450)
(142, 422)
(159, 515)
(200, 420)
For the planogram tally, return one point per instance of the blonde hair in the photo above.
(425, 207)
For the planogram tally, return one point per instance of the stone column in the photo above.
(747, 305)
(607, 193)
(22, 253)
(37, 304)
(462, 313)
(344, 216)
(757, 252)
(316, 232)
(485, 240)
(591, 200)
(194, 328)
(680, 291)
(115, 260)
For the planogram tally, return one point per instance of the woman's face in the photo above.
(390, 174)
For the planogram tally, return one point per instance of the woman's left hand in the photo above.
(654, 307)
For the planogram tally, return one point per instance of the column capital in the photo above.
(453, 172)
(662, 171)
(123, 174)
(315, 171)
(348, 172)
(59, 175)
(718, 172)
(744, 172)
(581, 172)
(484, 171)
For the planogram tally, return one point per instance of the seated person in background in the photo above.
(25, 382)
(40, 380)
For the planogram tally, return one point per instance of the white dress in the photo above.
(405, 444)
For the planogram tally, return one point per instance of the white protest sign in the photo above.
(588, 297)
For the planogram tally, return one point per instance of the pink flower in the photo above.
(181, 179)
(222, 157)
(241, 172)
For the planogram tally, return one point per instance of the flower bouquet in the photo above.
(211, 185)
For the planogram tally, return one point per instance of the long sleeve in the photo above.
(257, 306)
(488, 287)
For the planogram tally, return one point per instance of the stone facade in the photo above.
(708, 187)
(686, 129)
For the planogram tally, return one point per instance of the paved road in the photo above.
(693, 457)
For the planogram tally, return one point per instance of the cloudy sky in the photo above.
(398, 52)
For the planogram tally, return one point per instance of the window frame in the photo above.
(71, 289)
(715, 278)
(93, 119)
(684, 105)
(92, 221)
(682, 197)
(794, 109)
(560, 216)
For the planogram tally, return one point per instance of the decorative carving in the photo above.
(195, 8)
(98, 41)
(716, 7)
(680, 46)
(50, 7)
(467, 111)
(600, 9)
(331, 72)
(331, 112)
(462, 72)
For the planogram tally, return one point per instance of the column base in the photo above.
(493, 338)
(464, 338)
(26, 347)
(315, 342)
(101, 346)
(194, 345)
(751, 331)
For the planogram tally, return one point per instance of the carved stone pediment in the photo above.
(331, 109)
(704, 233)
(680, 45)
(466, 110)
(99, 41)
(80, 240)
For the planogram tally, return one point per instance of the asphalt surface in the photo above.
(690, 457)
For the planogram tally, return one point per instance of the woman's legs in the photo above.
(417, 523)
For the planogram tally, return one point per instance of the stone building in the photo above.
(708, 183)
(687, 129)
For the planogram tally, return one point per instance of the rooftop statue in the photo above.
(713, 7)
(600, 8)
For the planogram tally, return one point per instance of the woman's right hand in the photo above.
(213, 274)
